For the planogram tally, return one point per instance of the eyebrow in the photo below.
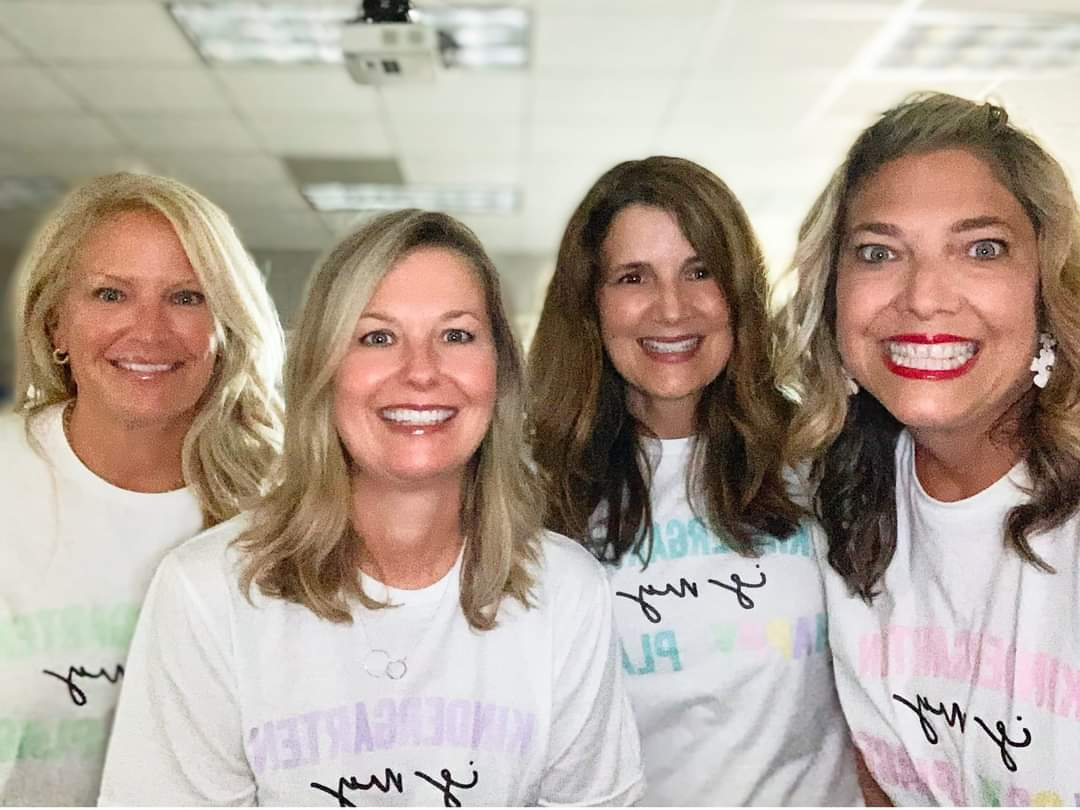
(880, 228)
(446, 316)
(974, 223)
(638, 264)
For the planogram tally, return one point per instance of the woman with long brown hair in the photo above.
(657, 431)
(934, 342)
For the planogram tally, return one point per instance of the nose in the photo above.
(929, 289)
(421, 365)
(671, 301)
(150, 321)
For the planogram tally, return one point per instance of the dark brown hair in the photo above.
(585, 442)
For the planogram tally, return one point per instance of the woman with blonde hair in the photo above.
(389, 625)
(148, 359)
(934, 342)
(651, 389)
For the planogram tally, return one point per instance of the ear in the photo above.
(56, 329)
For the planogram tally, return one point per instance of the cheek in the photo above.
(617, 311)
(196, 330)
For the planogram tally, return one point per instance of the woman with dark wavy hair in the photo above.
(651, 390)
(934, 341)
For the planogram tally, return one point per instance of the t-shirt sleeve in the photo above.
(177, 738)
(594, 756)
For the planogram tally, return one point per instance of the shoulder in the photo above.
(208, 562)
(24, 465)
(566, 569)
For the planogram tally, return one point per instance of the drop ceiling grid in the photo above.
(100, 33)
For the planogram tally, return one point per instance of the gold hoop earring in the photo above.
(60, 358)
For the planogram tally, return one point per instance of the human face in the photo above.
(136, 324)
(664, 320)
(936, 293)
(415, 394)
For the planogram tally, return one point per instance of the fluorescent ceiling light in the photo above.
(28, 192)
(380, 197)
(237, 32)
(953, 45)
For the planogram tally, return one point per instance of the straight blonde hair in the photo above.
(234, 440)
(301, 546)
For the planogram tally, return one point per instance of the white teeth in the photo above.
(931, 356)
(668, 347)
(408, 416)
(144, 368)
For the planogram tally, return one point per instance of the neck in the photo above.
(951, 467)
(411, 537)
(667, 418)
(136, 457)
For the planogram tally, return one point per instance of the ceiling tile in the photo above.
(610, 101)
(479, 170)
(311, 88)
(230, 195)
(96, 33)
(8, 52)
(149, 89)
(605, 44)
(185, 131)
(463, 94)
(274, 229)
(28, 87)
(76, 164)
(452, 138)
(210, 166)
(76, 131)
(321, 135)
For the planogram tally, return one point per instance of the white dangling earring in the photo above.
(1044, 362)
(849, 383)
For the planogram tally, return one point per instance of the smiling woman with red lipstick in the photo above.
(149, 359)
(934, 342)
(651, 388)
(390, 625)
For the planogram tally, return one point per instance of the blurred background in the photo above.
(502, 113)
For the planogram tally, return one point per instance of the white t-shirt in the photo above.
(728, 662)
(76, 556)
(230, 701)
(962, 681)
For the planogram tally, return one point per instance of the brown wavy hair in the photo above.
(586, 444)
(301, 546)
(851, 442)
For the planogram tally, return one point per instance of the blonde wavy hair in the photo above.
(851, 440)
(301, 546)
(235, 438)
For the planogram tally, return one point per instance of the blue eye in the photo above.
(987, 249)
(380, 337)
(108, 294)
(458, 336)
(188, 298)
(875, 254)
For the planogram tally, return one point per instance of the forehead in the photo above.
(640, 228)
(132, 243)
(428, 279)
(945, 185)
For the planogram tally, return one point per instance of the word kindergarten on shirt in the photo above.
(412, 729)
(1020, 697)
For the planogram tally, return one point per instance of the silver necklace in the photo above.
(379, 663)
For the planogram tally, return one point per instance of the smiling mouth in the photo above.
(677, 345)
(145, 369)
(417, 417)
(930, 359)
